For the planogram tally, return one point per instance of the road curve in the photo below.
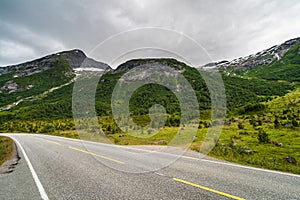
(60, 168)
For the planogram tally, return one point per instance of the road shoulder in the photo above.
(10, 164)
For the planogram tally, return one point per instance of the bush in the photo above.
(48, 128)
(263, 137)
(251, 108)
(240, 125)
(276, 123)
(295, 123)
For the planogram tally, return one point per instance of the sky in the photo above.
(225, 29)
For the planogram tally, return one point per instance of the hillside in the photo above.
(262, 58)
(57, 104)
(42, 88)
(287, 68)
(33, 79)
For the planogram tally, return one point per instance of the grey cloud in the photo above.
(226, 29)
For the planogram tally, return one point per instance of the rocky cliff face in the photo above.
(75, 58)
(259, 59)
(159, 62)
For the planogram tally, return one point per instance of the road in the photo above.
(60, 168)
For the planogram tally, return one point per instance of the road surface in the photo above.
(60, 168)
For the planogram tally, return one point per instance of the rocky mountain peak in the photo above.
(75, 58)
(261, 58)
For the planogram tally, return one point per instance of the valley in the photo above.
(262, 122)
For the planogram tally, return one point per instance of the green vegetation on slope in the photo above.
(286, 68)
(41, 82)
(6, 149)
(58, 103)
(268, 139)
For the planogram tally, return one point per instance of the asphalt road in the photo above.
(61, 168)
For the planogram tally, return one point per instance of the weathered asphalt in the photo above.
(76, 169)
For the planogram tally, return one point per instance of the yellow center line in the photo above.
(208, 189)
(50, 141)
(100, 156)
(53, 142)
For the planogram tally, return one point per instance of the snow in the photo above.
(93, 69)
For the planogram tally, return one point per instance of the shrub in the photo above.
(276, 123)
(263, 137)
(48, 128)
(240, 125)
(295, 123)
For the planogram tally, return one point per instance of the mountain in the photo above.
(37, 77)
(128, 65)
(58, 103)
(75, 58)
(42, 88)
(275, 59)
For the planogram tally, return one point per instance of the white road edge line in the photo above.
(182, 156)
(33, 173)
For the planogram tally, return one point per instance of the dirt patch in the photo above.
(10, 164)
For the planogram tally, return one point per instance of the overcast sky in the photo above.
(227, 29)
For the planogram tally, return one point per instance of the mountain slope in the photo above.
(280, 62)
(287, 68)
(58, 103)
(74, 58)
(46, 84)
(44, 74)
(258, 59)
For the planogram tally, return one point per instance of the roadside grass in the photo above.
(66, 133)
(235, 147)
(231, 146)
(136, 137)
(247, 150)
(6, 149)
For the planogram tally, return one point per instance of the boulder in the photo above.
(243, 133)
(291, 160)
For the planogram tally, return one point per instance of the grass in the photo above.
(233, 147)
(246, 149)
(6, 149)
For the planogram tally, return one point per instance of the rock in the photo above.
(246, 149)
(75, 58)
(131, 64)
(291, 160)
(243, 133)
(277, 144)
(161, 142)
(259, 59)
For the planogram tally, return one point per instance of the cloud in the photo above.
(10, 50)
(226, 29)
